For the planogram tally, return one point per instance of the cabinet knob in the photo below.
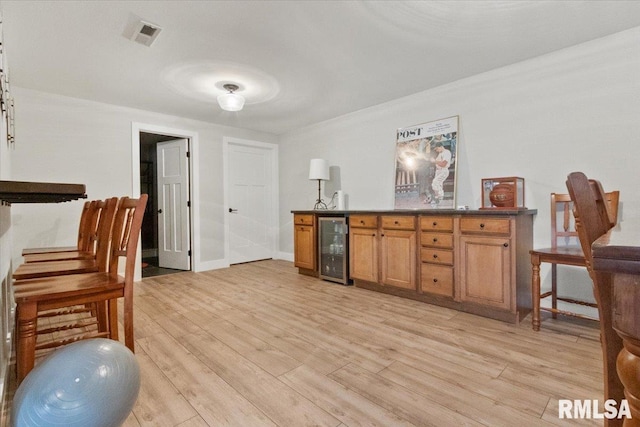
(382, 235)
(435, 239)
(373, 235)
(435, 280)
(435, 223)
(396, 222)
(362, 222)
(506, 245)
(435, 256)
(481, 225)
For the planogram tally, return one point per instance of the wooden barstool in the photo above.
(85, 230)
(94, 263)
(37, 295)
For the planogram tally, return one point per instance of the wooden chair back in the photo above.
(591, 211)
(92, 226)
(86, 233)
(593, 219)
(126, 233)
(103, 232)
(563, 227)
(82, 228)
(88, 236)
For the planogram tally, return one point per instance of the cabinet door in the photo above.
(363, 254)
(485, 270)
(398, 258)
(305, 247)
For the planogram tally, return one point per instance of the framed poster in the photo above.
(426, 165)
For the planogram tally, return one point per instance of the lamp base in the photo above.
(320, 205)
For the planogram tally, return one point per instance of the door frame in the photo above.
(194, 212)
(226, 141)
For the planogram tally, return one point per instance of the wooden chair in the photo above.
(564, 250)
(593, 219)
(51, 293)
(87, 240)
(84, 233)
(95, 233)
(76, 266)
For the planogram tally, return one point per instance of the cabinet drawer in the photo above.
(399, 222)
(437, 223)
(436, 279)
(485, 225)
(437, 256)
(303, 219)
(436, 240)
(363, 221)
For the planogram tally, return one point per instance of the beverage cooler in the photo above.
(332, 249)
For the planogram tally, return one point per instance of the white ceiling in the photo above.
(297, 62)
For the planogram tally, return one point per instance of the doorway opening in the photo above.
(166, 229)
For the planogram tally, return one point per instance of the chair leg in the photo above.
(101, 315)
(128, 321)
(27, 325)
(554, 289)
(112, 309)
(535, 292)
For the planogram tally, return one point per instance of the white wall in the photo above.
(573, 110)
(63, 139)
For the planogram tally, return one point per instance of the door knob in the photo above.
(233, 210)
(159, 211)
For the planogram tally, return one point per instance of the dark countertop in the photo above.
(40, 192)
(333, 212)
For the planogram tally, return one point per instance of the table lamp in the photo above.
(319, 169)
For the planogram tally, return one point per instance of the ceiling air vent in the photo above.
(145, 33)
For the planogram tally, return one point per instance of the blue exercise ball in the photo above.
(90, 383)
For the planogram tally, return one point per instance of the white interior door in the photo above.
(250, 202)
(173, 205)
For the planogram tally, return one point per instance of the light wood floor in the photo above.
(260, 345)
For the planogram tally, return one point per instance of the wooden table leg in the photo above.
(628, 367)
(27, 323)
(610, 340)
(535, 291)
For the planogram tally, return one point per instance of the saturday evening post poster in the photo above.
(426, 165)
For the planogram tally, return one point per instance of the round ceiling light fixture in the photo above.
(231, 101)
(204, 82)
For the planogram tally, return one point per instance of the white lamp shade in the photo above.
(231, 101)
(319, 169)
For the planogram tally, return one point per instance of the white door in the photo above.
(173, 205)
(250, 202)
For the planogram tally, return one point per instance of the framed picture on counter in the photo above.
(425, 175)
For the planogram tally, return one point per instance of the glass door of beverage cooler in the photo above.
(333, 251)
